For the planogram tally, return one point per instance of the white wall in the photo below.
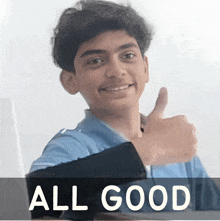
(184, 57)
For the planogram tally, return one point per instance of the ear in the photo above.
(68, 80)
(146, 68)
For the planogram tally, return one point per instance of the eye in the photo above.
(128, 55)
(95, 61)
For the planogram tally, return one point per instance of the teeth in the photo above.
(117, 88)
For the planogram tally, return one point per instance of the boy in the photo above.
(100, 47)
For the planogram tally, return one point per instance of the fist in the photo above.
(164, 141)
(173, 140)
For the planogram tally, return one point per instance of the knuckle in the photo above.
(190, 154)
(183, 117)
(180, 120)
(193, 138)
(193, 150)
(195, 142)
(191, 132)
(192, 126)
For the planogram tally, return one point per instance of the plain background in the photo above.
(184, 57)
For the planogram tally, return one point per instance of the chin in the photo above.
(120, 106)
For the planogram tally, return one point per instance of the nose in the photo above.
(115, 69)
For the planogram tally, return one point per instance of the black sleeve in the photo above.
(117, 165)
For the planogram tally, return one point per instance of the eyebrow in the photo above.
(98, 51)
(89, 52)
(129, 45)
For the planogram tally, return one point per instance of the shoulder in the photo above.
(65, 146)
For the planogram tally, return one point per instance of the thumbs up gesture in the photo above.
(164, 141)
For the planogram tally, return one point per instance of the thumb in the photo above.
(161, 103)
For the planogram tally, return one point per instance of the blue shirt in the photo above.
(92, 136)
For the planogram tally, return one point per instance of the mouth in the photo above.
(117, 88)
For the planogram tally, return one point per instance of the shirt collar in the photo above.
(88, 114)
(97, 127)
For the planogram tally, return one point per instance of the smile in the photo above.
(117, 88)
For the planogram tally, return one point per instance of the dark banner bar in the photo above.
(109, 199)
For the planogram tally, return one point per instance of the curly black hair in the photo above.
(87, 19)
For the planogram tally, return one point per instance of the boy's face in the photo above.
(110, 72)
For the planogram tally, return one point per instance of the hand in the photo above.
(170, 140)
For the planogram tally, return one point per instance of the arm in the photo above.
(118, 162)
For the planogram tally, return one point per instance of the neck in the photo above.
(125, 121)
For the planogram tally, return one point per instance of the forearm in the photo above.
(91, 174)
(117, 162)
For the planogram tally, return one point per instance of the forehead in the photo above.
(108, 41)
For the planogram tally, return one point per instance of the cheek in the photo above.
(87, 93)
(90, 84)
(88, 88)
(142, 74)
